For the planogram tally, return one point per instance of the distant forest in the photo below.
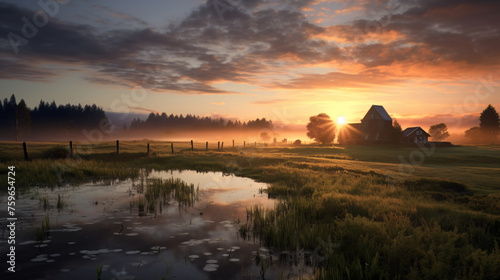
(49, 121)
(193, 122)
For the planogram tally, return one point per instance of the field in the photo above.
(358, 212)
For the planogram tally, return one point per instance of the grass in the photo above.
(351, 208)
(42, 233)
(44, 202)
(99, 271)
(161, 192)
(60, 202)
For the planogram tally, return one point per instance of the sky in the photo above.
(426, 62)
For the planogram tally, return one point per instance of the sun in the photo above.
(341, 120)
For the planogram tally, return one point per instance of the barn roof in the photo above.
(382, 112)
(410, 130)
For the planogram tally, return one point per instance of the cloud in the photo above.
(140, 109)
(201, 47)
(13, 69)
(390, 43)
(435, 31)
(269, 102)
(219, 103)
(121, 16)
(338, 80)
(455, 122)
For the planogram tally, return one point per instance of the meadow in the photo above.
(353, 212)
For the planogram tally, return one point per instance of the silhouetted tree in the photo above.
(321, 128)
(474, 134)
(23, 120)
(157, 122)
(489, 122)
(397, 131)
(439, 131)
(264, 136)
(8, 118)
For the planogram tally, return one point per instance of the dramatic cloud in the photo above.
(338, 80)
(246, 44)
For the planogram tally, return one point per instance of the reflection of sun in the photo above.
(341, 120)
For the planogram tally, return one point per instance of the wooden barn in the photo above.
(415, 135)
(375, 127)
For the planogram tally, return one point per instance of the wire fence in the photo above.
(32, 150)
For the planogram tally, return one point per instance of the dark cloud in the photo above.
(435, 31)
(256, 37)
(15, 70)
(338, 80)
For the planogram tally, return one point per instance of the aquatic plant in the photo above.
(60, 203)
(169, 268)
(99, 271)
(44, 202)
(42, 232)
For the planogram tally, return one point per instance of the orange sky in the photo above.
(425, 61)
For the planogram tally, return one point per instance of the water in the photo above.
(99, 227)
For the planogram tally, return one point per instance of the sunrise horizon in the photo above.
(250, 139)
(279, 60)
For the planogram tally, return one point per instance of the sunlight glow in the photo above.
(341, 120)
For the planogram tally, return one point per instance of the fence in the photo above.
(12, 150)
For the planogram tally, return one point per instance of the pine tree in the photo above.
(489, 123)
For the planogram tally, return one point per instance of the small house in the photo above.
(415, 135)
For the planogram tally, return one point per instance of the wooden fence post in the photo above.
(148, 149)
(218, 145)
(25, 149)
(172, 145)
(71, 154)
(222, 145)
(233, 143)
(117, 147)
(244, 144)
(207, 146)
(192, 147)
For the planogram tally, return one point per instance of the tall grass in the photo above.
(378, 232)
(42, 232)
(333, 203)
(46, 172)
(160, 192)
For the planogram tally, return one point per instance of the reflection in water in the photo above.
(159, 192)
(164, 225)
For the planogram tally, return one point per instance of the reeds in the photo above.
(373, 232)
(160, 192)
(60, 202)
(42, 232)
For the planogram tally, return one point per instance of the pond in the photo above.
(164, 225)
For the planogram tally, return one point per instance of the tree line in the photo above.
(18, 121)
(192, 122)
(52, 121)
